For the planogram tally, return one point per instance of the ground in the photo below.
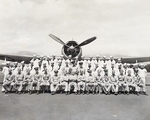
(74, 107)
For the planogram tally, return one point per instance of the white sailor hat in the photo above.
(22, 62)
(53, 55)
(97, 56)
(142, 65)
(125, 64)
(7, 62)
(111, 56)
(70, 56)
(119, 59)
(128, 64)
(105, 64)
(34, 55)
(136, 64)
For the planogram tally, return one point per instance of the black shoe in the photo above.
(53, 93)
(37, 92)
(145, 93)
(68, 92)
(19, 92)
(106, 93)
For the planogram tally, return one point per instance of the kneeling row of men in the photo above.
(73, 83)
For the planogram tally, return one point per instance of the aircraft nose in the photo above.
(71, 47)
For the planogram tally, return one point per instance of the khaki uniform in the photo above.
(55, 83)
(72, 82)
(137, 83)
(28, 79)
(99, 82)
(46, 79)
(107, 84)
(19, 81)
(114, 83)
(121, 82)
(64, 82)
(129, 83)
(9, 82)
(81, 82)
(37, 81)
(90, 83)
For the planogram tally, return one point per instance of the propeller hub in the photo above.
(72, 47)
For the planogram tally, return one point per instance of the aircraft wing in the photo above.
(15, 58)
(135, 60)
(130, 59)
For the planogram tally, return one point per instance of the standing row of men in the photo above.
(83, 76)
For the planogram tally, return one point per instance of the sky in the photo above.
(122, 27)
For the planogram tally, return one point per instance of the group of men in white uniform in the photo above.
(58, 75)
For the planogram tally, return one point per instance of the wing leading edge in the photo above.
(16, 58)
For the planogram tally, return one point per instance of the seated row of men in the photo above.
(76, 80)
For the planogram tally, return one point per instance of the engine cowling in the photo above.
(71, 50)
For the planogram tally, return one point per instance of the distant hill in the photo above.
(24, 53)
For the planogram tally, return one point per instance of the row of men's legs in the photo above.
(73, 87)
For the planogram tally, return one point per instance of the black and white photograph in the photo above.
(74, 59)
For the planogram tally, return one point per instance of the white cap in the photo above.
(7, 62)
(141, 64)
(22, 62)
(70, 56)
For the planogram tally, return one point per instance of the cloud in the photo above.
(121, 26)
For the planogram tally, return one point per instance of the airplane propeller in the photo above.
(57, 39)
(86, 42)
(74, 48)
(79, 45)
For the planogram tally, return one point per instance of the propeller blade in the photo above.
(86, 41)
(57, 39)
